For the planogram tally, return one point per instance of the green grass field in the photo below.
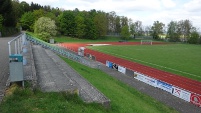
(182, 59)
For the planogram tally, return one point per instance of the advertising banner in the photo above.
(129, 72)
(115, 66)
(150, 81)
(164, 86)
(122, 69)
(185, 95)
(93, 58)
(176, 92)
(110, 65)
(195, 99)
(140, 77)
(107, 63)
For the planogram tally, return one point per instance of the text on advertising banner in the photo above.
(196, 99)
(165, 86)
(181, 94)
(176, 92)
(185, 95)
(139, 77)
(150, 81)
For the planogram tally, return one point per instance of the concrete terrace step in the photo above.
(50, 77)
(55, 75)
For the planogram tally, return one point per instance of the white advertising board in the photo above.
(122, 69)
(176, 92)
(181, 94)
(107, 63)
(139, 76)
(185, 95)
(150, 81)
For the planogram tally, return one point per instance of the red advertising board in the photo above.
(196, 99)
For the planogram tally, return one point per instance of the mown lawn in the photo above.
(124, 99)
(182, 59)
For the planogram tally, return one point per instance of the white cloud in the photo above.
(168, 3)
(193, 6)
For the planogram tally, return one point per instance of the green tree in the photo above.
(6, 10)
(125, 34)
(80, 26)
(17, 10)
(172, 33)
(147, 30)
(45, 28)
(100, 24)
(132, 29)
(90, 29)
(157, 29)
(5, 6)
(111, 16)
(138, 28)
(25, 6)
(1, 22)
(56, 11)
(67, 23)
(27, 21)
(184, 28)
(39, 13)
(52, 16)
(124, 21)
(118, 25)
(194, 38)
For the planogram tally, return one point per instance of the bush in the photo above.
(8, 31)
(44, 27)
(194, 38)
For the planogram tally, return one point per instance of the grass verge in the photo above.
(27, 101)
(124, 99)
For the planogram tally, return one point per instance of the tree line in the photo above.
(92, 24)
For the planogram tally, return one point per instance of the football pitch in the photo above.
(181, 59)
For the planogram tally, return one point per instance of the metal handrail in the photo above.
(18, 41)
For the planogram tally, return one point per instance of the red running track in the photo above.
(176, 80)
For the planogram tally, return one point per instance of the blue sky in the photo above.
(146, 11)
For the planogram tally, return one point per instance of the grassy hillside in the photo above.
(124, 99)
(182, 59)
